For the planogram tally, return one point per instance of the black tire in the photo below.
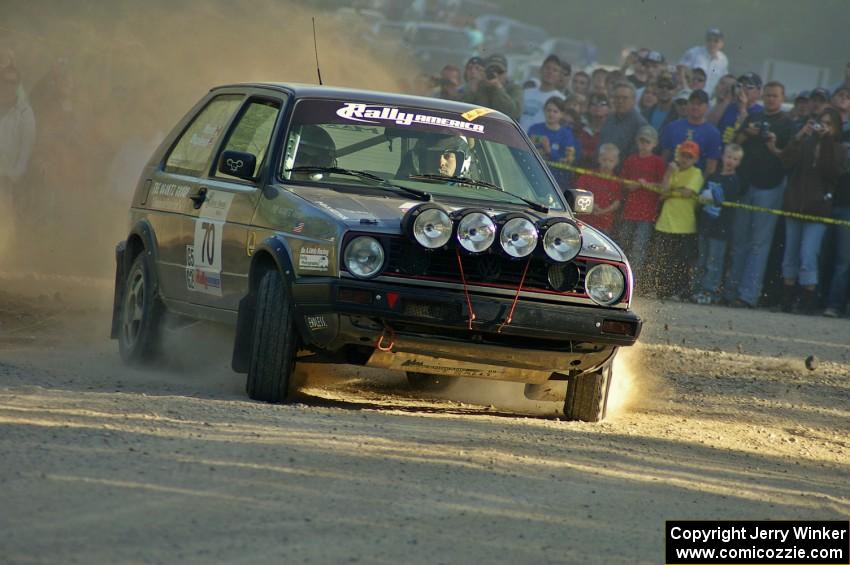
(140, 320)
(273, 343)
(587, 395)
(424, 382)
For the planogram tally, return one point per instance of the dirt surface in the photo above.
(715, 417)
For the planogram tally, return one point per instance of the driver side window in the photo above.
(253, 132)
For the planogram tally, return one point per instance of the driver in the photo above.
(447, 155)
(316, 148)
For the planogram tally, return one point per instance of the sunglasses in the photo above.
(599, 103)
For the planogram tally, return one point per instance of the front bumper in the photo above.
(427, 326)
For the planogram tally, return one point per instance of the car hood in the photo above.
(383, 213)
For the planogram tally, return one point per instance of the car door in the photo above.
(176, 186)
(218, 255)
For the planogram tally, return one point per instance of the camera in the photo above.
(764, 130)
(818, 127)
(492, 71)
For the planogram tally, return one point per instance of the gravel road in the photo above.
(715, 417)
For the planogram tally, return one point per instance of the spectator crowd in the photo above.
(695, 135)
(696, 140)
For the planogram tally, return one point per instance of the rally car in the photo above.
(369, 228)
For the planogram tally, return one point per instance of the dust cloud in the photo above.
(107, 81)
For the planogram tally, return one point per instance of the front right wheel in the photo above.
(274, 342)
(587, 395)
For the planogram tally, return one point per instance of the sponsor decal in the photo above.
(584, 204)
(169, 196)
(298, 228)
(313, 258)
(372, 114)
(316, 323)
(450, 368)
(216, 205)
(331, 209)
(200, 279)
(476, 113)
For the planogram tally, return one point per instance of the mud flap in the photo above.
(118, 296)
(244, 331)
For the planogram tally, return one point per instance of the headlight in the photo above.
(364, 257)
(605, 284)
(562, 242)
(476, 232)
(518, 237)
(432, 228)
(563, 278)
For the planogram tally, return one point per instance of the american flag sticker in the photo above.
(299, 227)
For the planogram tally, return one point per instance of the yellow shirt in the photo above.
(678, 215)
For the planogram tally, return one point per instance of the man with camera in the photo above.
(497, 91)
(741, 102)
(763, 173)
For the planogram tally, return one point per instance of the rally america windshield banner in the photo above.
(474, 123)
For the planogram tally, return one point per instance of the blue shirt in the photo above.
(560, 141)
(657, 117)
(726, 124)
(705, 135)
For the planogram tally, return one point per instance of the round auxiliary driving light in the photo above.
(518, 237)
(562, 241)
(364, 257)
(432, 228)
(605, 284)
(476, 232)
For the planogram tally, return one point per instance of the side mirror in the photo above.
(580, 200)
(238, 164)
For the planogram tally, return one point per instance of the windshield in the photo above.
(441, 153)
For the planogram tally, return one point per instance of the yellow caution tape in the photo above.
(658, 189)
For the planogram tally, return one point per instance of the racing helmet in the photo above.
(428, 151)
(316, 148)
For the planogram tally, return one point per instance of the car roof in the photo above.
(299, 90)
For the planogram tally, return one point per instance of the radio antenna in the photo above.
(316, 50)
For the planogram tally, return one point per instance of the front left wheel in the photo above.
(274, 342)
(141, 314)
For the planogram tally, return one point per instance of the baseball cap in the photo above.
(475, 61)
(683, 95)
(597, 99)
(689, 147)
(841, 88)
(654, 57)
(647, 132)
(698, 96)
(750, 78)
(498, 60)
(820, 92)
(802, 95)
(713, 32)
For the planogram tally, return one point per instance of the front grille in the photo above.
(408, 259)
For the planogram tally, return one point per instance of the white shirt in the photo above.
(533, 100)
(714, 67)
(17, 136)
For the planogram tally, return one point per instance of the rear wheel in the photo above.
(273, 346)
(429, 383)
(141, 314)
(587, 395)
